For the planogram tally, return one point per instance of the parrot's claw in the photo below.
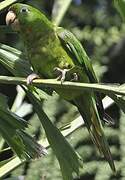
(75, 77)
(62, 75)
(31, 77)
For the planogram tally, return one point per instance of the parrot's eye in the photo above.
(24, 10)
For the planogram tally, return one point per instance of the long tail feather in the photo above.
(89, 112)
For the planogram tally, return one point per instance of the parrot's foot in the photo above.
(62, 73)
(31, 77)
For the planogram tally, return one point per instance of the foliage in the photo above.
(99, 27)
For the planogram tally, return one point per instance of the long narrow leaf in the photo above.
(59, 9)
(120, 6)
(7, 168)
(11, 129)
(119, 100)
(68, 159)
(4, 4)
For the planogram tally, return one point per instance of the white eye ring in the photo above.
(24, 10)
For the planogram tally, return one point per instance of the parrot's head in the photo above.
(22, 17)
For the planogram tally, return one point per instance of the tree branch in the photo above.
(53, 83)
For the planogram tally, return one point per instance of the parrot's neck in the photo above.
(41, 27)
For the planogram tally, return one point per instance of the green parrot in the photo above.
(53, 50)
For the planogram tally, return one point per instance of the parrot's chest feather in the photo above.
(46, 54)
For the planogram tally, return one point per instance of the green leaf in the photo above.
(11, 129)
(119, 100)
(10, 165)
(14, 61)
(120, 6)
(2, 163)
(3, 101)
(68, 159)
(12, 120)
(23, 144)
(59, 9)
(4, 4)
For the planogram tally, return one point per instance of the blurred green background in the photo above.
(101, 31)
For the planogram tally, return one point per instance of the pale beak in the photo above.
(10, 17)
(12, 20)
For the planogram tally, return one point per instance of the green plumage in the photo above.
(49, 47)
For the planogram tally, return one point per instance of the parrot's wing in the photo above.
(76, 50)
(80, 58)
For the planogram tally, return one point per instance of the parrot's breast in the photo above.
(45, 56)
(47, 53)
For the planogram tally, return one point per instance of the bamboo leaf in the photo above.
(59, 10)
(2, 163)
(119, 100)
(7, 168)
(4, 4)
(14, 61)
(11, 129)
(12, 163)
(120, 6)
(68, 159)
(22, 143)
